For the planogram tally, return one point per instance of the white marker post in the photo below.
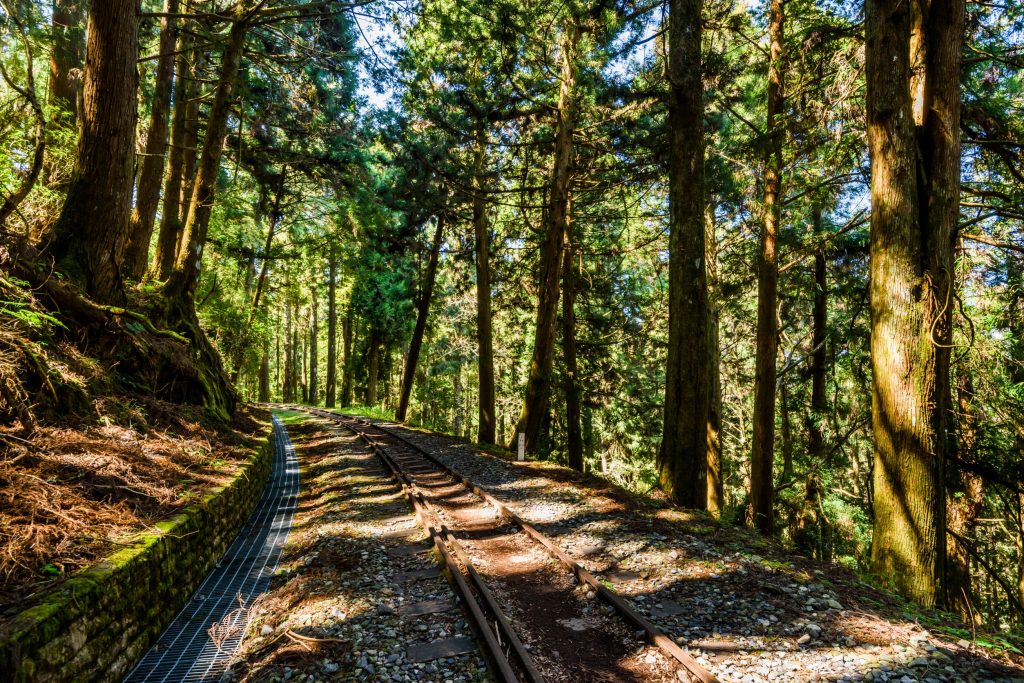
(522, 447)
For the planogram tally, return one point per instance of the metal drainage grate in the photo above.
(187, 651)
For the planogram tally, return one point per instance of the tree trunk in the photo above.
(787, 433)
(484, 340)
(819, 332)
(423, 310)
(170, 218)
(963, 506)
(913, 98)
(314, 352)
(66, 60)
(91, 234)
(533, 418)
(264, 391)
(288, 390)
(183, 280)
(147, 190)
(373, 369)
(457, 401)
(332, 325)
(682, 457)
(762, 458)
(573, 429)
(347, 332)
(715, 476)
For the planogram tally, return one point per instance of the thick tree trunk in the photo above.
(423, 310)
(573, 428)
(185, 277)
(683, 455)
(347, 334)
(534, 416)
(819, 333)
(373, 368)
(484, 341)
(147, 190)
(913, 98)
(91, 234)
(716, 472)
(314, 351)
(331, 397)
(762, 457)
(65, 86)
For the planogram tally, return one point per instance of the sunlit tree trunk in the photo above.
(715, 476)
(534, 416)
(347, 335)
(314, 352)
(373, 368)
(819, 333)
(762, 457)
(66, 60)
(682, 457)
(423, 310)
(147, 189)
(331, 397)
(913, 98)
(91, 234)
(170, 216)
(288, 390)
(485, 344)
(573, 429)
(185, 277)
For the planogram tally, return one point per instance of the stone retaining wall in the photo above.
(96, 625)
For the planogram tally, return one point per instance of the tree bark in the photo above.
(91, 234)
(65, 87)
(423, 310)
(819, 333)
(715, 476)
(534, 416)
(573, 428)
(147, 190)
(170, 218)
(347, 333)
(331, 397)
(185, 277)
(314, 352)
(963, 508)
(682, 457)
(373, 368)
(762, 458)
(288, 390)
(484, 339)
(264, 390)
(913, 100)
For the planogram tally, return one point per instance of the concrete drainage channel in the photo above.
(199, 643)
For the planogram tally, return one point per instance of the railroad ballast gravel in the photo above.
(748, 611)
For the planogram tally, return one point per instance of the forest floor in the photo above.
(74, 493)
(352, 599)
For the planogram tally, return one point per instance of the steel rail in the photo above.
(442, 537)
(655, 635)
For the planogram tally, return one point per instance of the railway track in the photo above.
(507, 572)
